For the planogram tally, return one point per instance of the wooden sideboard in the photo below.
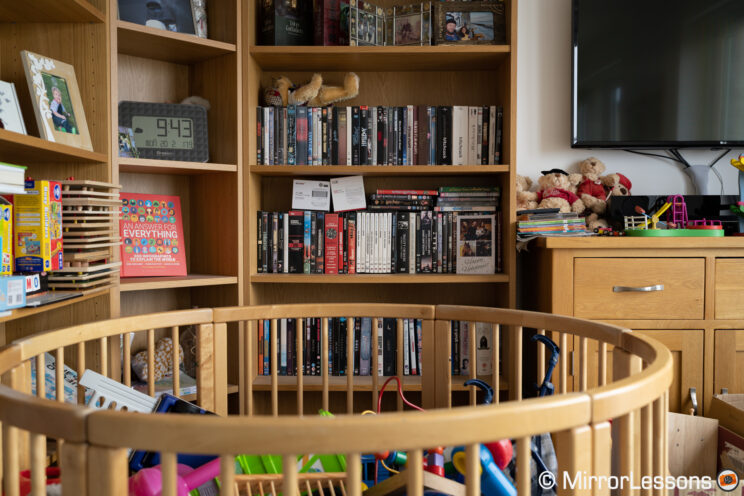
(688, 293)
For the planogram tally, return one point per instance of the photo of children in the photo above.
(63, 115)
(468, 26)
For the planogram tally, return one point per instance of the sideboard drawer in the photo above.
(729, 292)
(639, 288)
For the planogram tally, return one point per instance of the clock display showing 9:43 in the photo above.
(167, 131)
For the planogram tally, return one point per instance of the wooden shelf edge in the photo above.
(29, 149)
(147, 166)
(376, 170)
(378, 278)
(143, 41)
(392, 50)
(75, 11)
(20, 313)
(190, 281)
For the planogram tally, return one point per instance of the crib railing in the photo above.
(92, 445)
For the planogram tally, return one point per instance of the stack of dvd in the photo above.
(551, 224)
(468, 199)
(402, 199)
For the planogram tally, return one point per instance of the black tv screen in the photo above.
(657, 73)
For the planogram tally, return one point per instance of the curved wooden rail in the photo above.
(96, 441)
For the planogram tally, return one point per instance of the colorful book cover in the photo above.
(307, 253)
(152, 236)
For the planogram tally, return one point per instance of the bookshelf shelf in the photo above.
(191, 280)
(378, 278)
(335, 383)
(377, 170)
(147, 166)
(23, 149)
(50, 11)
(20, 313)
(151, 43)
(374, 58)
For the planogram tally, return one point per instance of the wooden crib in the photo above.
(618, 427)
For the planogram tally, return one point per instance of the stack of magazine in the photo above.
(532, 225)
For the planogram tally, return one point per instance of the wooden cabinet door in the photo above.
(728, 362)
(687, 351)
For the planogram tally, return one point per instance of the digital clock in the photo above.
(167, 131)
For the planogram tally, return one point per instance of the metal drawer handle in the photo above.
(637, 289)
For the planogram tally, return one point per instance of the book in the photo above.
(152, 236)
(483, 353)
(331, 243)
(290, 24)
(327, 22)
(295, 238)
(389, 355)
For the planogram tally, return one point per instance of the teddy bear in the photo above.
(592, 191)
(313, 94)
(557, 189)
(526, 199)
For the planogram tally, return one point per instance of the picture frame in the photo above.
(366, 24)
(11, 117)
(170, 15)
(127, 146)
(199, 11)
(55, 96)
(408, 24)
(469, 23)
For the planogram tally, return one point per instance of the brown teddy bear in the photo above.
(557, 189)
(526, 199)
(314, 94)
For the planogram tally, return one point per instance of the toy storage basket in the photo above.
(616, 427)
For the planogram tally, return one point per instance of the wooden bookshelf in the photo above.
(179, 48)
(149, 166)
(378, 278)
(191, 280)
(376, 170)
(388, 58)
(68, 11)
(24, 149)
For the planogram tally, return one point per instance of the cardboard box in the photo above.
(12, 292)
(729, 410)
(38, 227)
(6, 239)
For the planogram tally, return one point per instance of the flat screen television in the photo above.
(657, 74)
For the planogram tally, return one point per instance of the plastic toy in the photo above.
(739, 164)
(149, 482)
(493, 480)
(115, 395)
(677, 222)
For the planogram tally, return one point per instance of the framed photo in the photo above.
(476, 244)
(408, 24)
(473, 23)
(366, 24)
(170, 15)
(56, 99)
(199, 11)
(10, 112)
(127, 148)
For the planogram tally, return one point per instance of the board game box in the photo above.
(37, 230)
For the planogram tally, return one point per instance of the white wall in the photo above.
(544, 118)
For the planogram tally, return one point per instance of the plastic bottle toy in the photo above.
(149, 481)
(493, 480)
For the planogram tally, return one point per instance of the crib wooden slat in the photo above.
(350, 367)
(563, 363)
(107, 471)
(168, 472)
(103, 352)
(665, 461)
(602, 364)
(40, 372)
(59, 382)
(176, 358)
(249, 369)
(518, 338)
(272, 352)
(375, 365)
(220, 368)
(289, 469)
(583, 366)
(342, 486)
(74, 464)
(227, 475)
(354, 473)
(330, 488)
(151, 362)
(524, 485)
(81, 370)
(647, 433)
(205, 366)
(540, 358)
(38, 465)
(272, 487)
(472, 470)
(10, 460)
(399, 366)
(127, 352)
(320, 492)
(473, 368)
(495, 358)
(309, 487)
(659, 414)
(602, 453)
(299, 332)
(574, 454)
(415, 469)
(324, 360)
(260, 489)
